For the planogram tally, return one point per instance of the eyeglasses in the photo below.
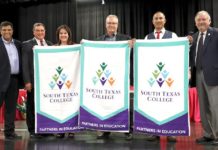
(113, 23)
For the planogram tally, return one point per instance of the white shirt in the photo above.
(43, 41)
(163, 30)
(12, 55)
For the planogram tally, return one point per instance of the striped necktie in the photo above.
(41, 43)
(200, 52)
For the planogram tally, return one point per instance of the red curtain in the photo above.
(20, 114)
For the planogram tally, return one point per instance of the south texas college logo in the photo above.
(160, 76)
(103, 75)
(59, 79)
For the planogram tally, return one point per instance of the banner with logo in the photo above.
(105, 86)
(57, 85)
(161, 87)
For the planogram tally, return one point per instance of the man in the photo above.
(203, 57)
(10, 69)
(28, 73)
(113, 35)
(160, 32)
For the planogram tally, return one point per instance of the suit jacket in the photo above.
(5, 67)
(209, 58)
(119, 37)
(27, 60)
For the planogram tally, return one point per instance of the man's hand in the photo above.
(28, 86)
(131, 42)
(190, 39)
(189, 73)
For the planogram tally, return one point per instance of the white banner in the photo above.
(105, 85)
(57, 86)
(161, 86)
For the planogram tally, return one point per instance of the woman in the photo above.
(64, 37)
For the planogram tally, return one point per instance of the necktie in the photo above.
(41, 43)
(158, 34)
(200, 52)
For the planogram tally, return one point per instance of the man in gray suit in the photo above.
(111, 25)
(28, 73)
(204, 58)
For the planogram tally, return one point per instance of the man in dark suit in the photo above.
(10, 69)
(28, 73)
(160, 32)
(111, 25)
(204, 58)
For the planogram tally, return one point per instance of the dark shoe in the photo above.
(60, 135)
(152, 138)
(12, 136)
(71, 135)
(129, 136)
(46, 135)
(104, 135)
(204, 140)
(35, 136)
(214, 142)
(171, 138)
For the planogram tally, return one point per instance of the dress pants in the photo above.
(10, 98)
(131, 115)
(30, 111)
(208, 100)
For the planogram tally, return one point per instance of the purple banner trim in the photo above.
(176, 127)
(46, 125)
(119, 122)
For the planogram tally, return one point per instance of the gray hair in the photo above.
(112, 16)
(203, 12)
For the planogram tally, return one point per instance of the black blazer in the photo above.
(27, 60)
(210, 56)
(5, 67)
(119, 37)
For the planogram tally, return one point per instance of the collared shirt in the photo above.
(162, 32)
(12, 55)
(43, 41)
(110, 38)
(199, 36)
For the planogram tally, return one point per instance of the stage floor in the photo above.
(87, 141)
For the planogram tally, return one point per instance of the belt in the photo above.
(14, 75)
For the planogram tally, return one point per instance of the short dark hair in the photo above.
(6, 23)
